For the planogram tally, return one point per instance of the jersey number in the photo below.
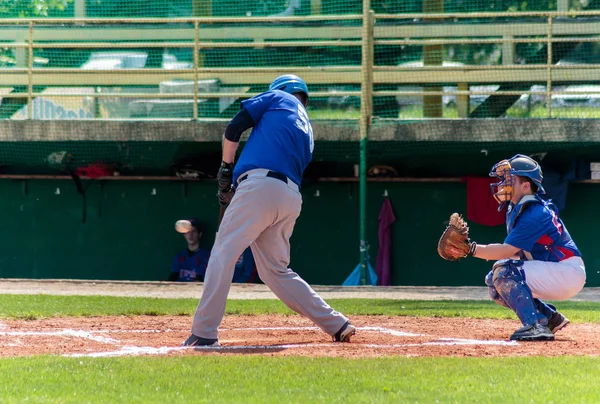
(556, 222)
(303, 124)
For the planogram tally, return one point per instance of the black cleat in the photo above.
(194, 340)
(344, 334)
(557, 322)
(537, 332)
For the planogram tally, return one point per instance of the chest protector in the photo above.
(554, 247)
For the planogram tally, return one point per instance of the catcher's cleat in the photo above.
(557, 322)
(537, 332)
(344, 334)
(194, 340)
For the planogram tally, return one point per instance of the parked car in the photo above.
(591, 99)
(130, 60)
(115, 60)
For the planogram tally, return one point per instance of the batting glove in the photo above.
(225, 176)
(225, 197)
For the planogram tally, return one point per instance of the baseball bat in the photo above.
(221, 214)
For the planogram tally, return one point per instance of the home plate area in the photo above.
(285, 335)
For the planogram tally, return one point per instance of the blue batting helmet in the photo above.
(289, 83)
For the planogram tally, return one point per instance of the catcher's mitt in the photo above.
(455, 243)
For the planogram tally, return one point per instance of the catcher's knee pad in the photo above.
(492, 289)
(508, 280)
(489, 278)
(507, 269)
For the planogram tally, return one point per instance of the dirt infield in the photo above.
(286, 335)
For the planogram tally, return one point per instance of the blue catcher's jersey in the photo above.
(282, 137)
(191, 266)
(533, 226)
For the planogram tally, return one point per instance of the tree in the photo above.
(31, 8)
(24, 9)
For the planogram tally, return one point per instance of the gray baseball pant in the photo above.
(261, 215)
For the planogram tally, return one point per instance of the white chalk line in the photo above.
(308, 328)
(133, 350)
(378, 329)
(137, 350)
(390, 331)
(129, 350)
(461, 341)
(220, 329)
(62, 333)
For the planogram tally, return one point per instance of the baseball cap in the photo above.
(196, 223)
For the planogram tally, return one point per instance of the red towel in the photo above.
(383, 267)
(482, 208)
(95, 170)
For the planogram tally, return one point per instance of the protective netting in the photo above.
(496, 64)
(186, 8)
(148, 70)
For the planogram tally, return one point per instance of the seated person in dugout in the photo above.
(245, 268)
(190, 264)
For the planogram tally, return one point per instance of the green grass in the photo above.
(41, 306)
(252, 379)
(542, 112)
(264, 379)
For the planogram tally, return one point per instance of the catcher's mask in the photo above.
(502, 190)
(507, 171)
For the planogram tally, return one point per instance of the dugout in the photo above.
(121, 227)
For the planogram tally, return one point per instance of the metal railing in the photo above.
(369, 32)
(204, 33)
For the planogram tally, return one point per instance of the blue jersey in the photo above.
(533, 226)
(191, 266)
(245, 270)
(282, 138)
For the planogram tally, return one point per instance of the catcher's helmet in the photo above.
(525, 166)
(289, 83)
(517, 166)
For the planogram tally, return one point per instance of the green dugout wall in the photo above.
(128, 231)
(129, 234)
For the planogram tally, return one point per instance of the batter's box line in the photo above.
(90, 334)
(297, 328)
(168, 330)
(382, 330)
(62, 333)
(132, 350)
(309, 328)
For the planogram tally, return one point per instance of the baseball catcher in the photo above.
(537, 260)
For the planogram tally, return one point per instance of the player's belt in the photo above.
(272, 174)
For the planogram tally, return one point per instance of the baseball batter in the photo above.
(538, 259)
(263, 193)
